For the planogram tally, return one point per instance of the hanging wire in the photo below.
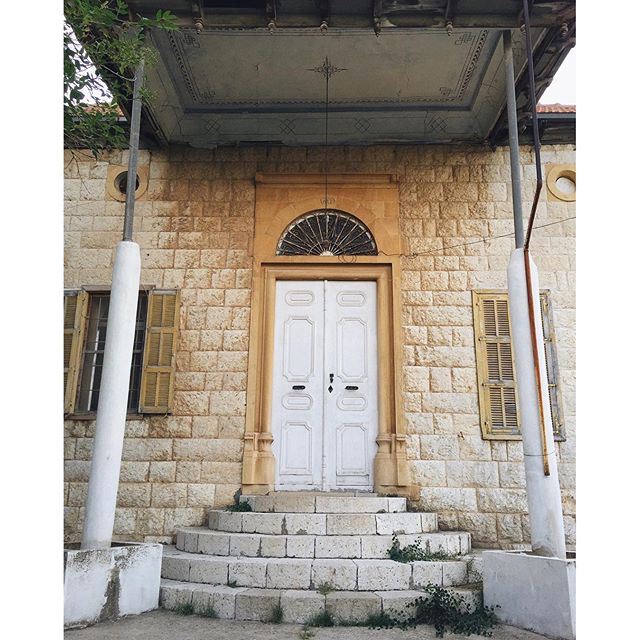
(417, 254)
(327, 69)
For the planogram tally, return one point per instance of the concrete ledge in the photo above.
(104, 584)
(531, 592)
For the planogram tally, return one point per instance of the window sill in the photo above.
(510, 438)
(92, 416)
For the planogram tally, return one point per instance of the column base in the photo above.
(391, 469)
(259, 464)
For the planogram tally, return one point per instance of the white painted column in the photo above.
(112, 405)
(543, 492)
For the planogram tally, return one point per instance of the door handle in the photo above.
(352, 388)
(298, 387)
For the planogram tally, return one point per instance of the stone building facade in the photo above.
(195, 226)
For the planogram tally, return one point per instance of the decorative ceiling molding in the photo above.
(181, 40)
(205, 90)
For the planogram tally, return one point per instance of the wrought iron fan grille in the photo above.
(327, 233)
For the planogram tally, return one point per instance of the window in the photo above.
(93, 354)
(152, 364)
(496, 370)
(327, 233)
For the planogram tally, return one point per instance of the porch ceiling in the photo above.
(237, 82)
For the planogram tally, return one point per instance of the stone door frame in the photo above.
(280, 199)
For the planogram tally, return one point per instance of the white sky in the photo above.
(563, 87)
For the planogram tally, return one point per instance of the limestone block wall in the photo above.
(195, 229)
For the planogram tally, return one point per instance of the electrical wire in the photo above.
(417, 254)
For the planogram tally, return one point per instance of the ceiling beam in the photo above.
(547, 58)
(422, 14)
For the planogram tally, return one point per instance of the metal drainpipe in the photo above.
(134, 142)
(532, 215)
(514, 145)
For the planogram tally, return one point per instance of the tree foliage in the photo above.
(103, 45)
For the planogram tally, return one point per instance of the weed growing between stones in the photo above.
(184, 609)
(232, 583)
(324, 588)
(305, 633)
(207, 612)
(323, 619)
(276, 615)
(441, 608)
(413, 552)
(473, 574)
(447, 611)
(380, 620)
(239, 506)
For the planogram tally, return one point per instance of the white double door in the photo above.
(325, 385)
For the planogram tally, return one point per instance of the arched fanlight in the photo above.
(327, 232)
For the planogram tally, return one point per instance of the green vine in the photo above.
(447, 611)
(239, 506)
(439, 607)
(414, 552)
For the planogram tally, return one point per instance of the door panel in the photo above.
(299, 348)
(298, 384)
(325, 426)
(352, 349)
(351, 411)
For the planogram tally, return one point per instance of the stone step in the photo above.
(308, 503)
(298, 606)
(304, 574)
(475, 565)
(220, 543)
(323, 524)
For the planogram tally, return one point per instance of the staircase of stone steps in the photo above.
(305, 554)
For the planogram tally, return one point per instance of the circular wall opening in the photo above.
(561, 182)
(121, 182)
(566, 186)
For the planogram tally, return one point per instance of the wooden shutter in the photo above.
(496, 371)
(161, 338)
(75, 315)
(553, 373)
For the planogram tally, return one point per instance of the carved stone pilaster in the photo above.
(258, 468)
(391, 472)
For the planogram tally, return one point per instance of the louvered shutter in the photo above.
(75, 313)
(496, 371)
(161, 339)
(553, 374)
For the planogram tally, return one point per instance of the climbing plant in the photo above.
(447, 611)
(103, 44)
(414, 552)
